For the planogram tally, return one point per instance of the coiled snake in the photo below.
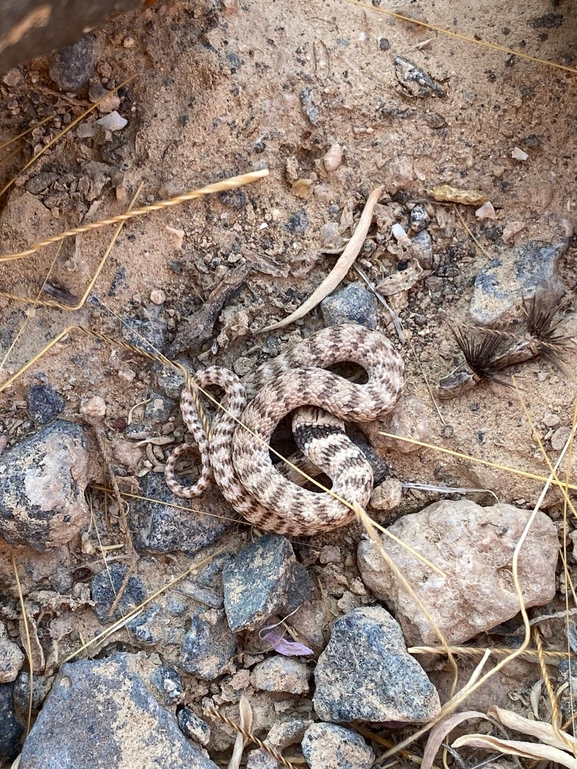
(237, 455)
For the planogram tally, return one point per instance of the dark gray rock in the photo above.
(327, 746)
(10, 729)
(44, 403)
(366, 674)
(21, 692)
(159, 528)
(209, 645)
(422, 248)
(262, 580)
(158, 408)
(531, 268)
(298, 222)
(418, 219)
(310, 111)
(352, 304)
(147, 628)
(281, 674)
(193, 726)
(11, 657)
(105, 587)
(168, 685)
(74, 66)
(146, 335)
(42, 483)
(101, 714)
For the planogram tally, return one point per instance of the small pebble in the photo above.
(194, 727)
(388, 495)
(44, 403)
(157, 296)
(551, 420)
(94, 407)
(74, 66)
(352, 304)
(12, 78)
(333, 158)
(418, 219)
(486, 211)
(129, 42)
(112, 122)
(11, 657)
(281, 674)
(560, 438)
(400, 235)
(209, 645)
(328, 746)
(518, 154)
(177, 234)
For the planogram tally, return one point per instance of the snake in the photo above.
(236, 454)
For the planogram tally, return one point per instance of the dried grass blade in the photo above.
(533, 750)
(541, 730)
(441, 730)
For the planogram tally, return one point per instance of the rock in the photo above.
(44, 403)
(422, 249)
(262, 580)
(42, 483)
(409, 419)
(161, 524)
(260, 759)
(158, 408)
(26, 208)
(105, 587)
(100, 713)
(10, 729)
(209, 645)
(112, 122)
(285, 733)
(93, 407)
(418, 219)
(560, 438)
(21, 693)
(168, 686)
(193, 726)
(281, 674)
(330, 236)
(146, 335)
(366, 674)
(11, 658)
(298, 222)
(310, 111)
(530, 268)
(388, 495)
(474, 547)
(74, 66)
(333, 157)
(327, 746)
(352, 304)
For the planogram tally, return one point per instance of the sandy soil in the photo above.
(224, 90)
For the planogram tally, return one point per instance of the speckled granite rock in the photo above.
(366, 674)
(101, 714)
(473, 546)
(42, 483)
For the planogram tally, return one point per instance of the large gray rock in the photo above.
(42, 483)
(262, 580)
(162, 523)
(366, 674)
(531, 268)
(352, 304)
(101, 714)
(473, 546)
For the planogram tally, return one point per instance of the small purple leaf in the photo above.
(287, 648)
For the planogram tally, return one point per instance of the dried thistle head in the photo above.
(545, 323)
(480, 348)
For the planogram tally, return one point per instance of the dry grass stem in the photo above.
(469, 39)
(226, 184)
(28, 645)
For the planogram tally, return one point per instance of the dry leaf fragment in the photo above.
(447, 194)
(402, 280)
(533, 750)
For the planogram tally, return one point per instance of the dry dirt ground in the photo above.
(224, 89)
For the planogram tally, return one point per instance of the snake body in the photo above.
(238, 457)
